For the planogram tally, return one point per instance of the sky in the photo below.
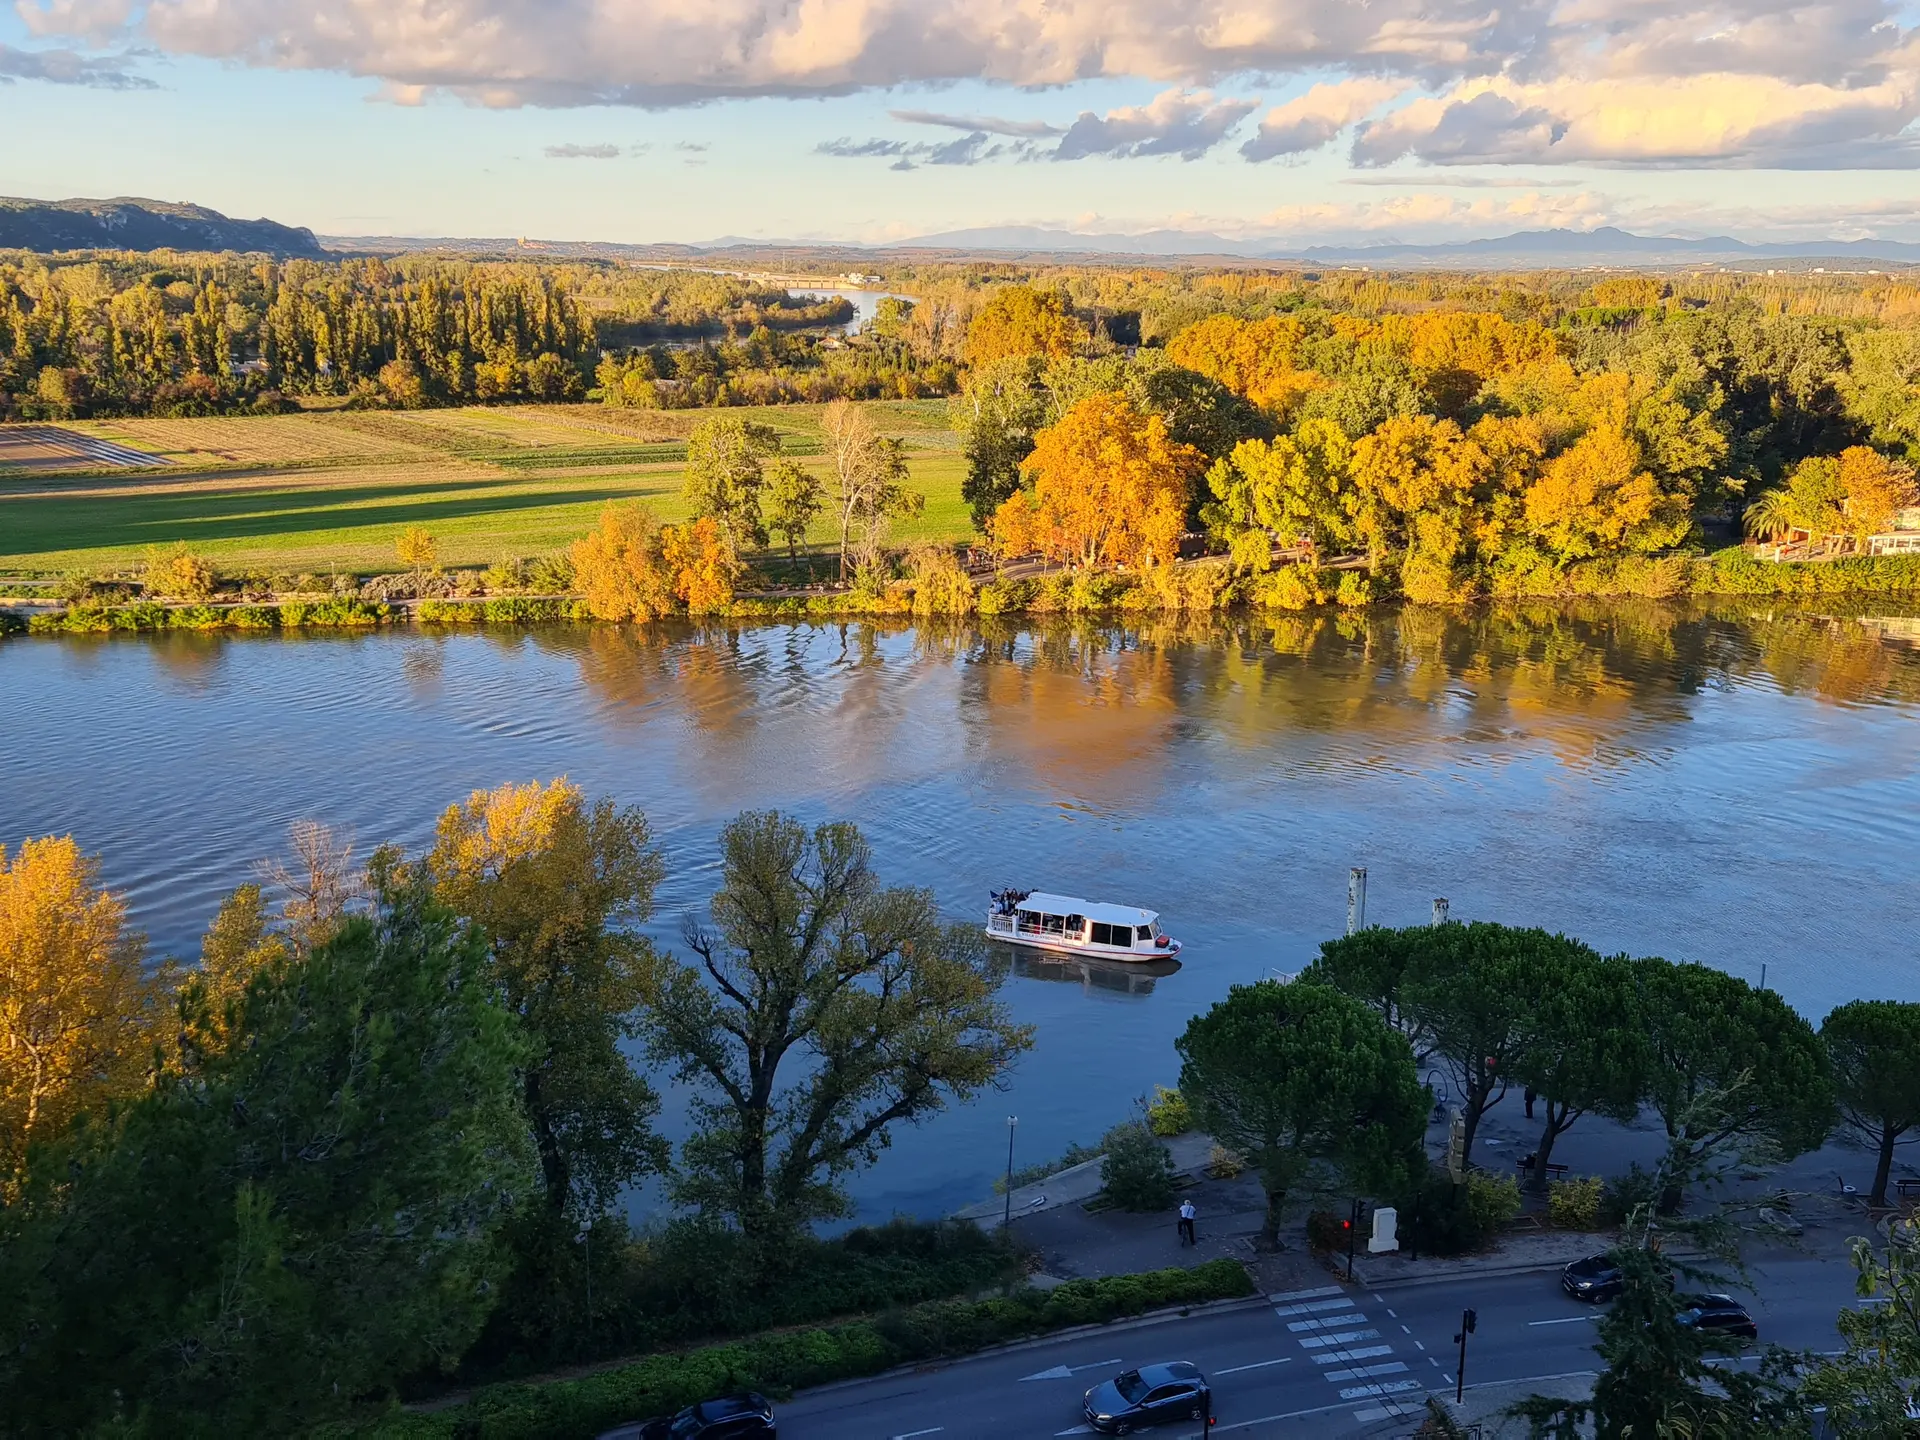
(1288, 122)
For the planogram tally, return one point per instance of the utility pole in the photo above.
(1354, 1217)
(1007, 1218)
(1440, 910)
(1468, 1320)
(1356, 899)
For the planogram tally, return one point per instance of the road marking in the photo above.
(1313, 1307)
(1418, 1346)
(1287, 1295)
(1061, 1372)
(1256, 1365)
(1568, 1320)
(911, 1433)
(1394, 1314)
(1076, 1430)
(1367, 1372)
(1364, 1352)
(1371, 1392)
(1407, 1328)
(1355, 1317)
(1317, 1342)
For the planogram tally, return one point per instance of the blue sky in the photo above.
(871, 120)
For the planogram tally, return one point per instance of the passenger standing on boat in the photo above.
(1187, 1212)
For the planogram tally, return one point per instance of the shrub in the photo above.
(179, 574)
(1575, 1204)
(1004, 597)
(1168, 1113)
(254, 617)
(940, 585)
(11, 623)
(1292, 587)
(1137, 1173)
(1224, 1164)
(1449, 1219)
(1326, 1232)
(1623, 1194)
(196, 617)
(1354, 592)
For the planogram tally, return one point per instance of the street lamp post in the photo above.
(1469, 1322)
(1006, 1219)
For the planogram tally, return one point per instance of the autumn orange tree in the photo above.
(1876, 489)
(1109, 488)
(1021, 320)
(703, 563)
(1254, 359)
(79, 1011)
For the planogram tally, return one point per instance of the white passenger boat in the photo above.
(1078, 927)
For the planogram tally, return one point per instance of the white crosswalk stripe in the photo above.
(1369, 1392)
(1314, 1327)
(1345, 1337)
(1313, 1307)
(1363, 1352)
(1364, 1372)
(1287, 1295)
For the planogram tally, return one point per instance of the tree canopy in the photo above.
(1874, 1049)
(1297, 1077)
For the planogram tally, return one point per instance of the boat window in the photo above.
(1146, 932)
(1102, 934)
(1053, 924)
(1076, 925)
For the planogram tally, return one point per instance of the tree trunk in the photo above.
(1878, 1196)
(1543, 1152)
(1270, 1226)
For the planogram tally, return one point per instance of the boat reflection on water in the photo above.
(1108, 977)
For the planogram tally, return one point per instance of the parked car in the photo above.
(1151, 1395)
(1718, 1315)
(733, 1417)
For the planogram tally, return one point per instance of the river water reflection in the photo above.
(1738, 786)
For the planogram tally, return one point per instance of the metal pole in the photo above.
(1353, 1234)
(1440, 910)
(1356, 899)
(1007, 1218)
(1763, 974)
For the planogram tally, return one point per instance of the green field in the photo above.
(319, 490)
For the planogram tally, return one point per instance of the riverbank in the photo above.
(1199, 588)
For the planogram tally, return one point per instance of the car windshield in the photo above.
(686, 1423)
(1131, 1387)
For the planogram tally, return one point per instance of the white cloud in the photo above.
(1719, 119)
(66, 67)
(1311, 120)
(1176, 122)
(985, 124)
(583, 152)
(669, 52)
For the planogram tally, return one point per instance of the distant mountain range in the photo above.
(127, 223)
(132, 224)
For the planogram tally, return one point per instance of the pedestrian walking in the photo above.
(1187, 1212)
(1530, 1097)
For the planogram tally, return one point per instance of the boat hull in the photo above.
(1060, 945)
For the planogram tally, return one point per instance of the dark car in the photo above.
(734, 1417)
(1594, 1278)
(1151, 1395)
(1718, 1315)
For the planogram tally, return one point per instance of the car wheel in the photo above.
(1196, 1413)
(1123, 1428)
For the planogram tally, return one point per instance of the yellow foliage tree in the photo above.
(703, 563)
(417, 550)
(78, 1010)
(179, 574)
(1109, 487)
(1876, 489)
(1252, 358)
(619, 569)
(1417, 482)
(1597, 497)
(558, 886)
(1020, 320)
(238, 945)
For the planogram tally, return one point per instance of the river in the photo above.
(1739, 787)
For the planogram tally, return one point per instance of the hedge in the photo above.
(348, 612)
(794, 1359)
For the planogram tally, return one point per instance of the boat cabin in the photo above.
(1062, 922)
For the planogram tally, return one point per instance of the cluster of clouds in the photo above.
(616, 152)
(1728, 83)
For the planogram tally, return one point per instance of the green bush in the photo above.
(1326, 1232)
(1575, 1204)
(1623, 1194)
(1137, 1173)
(1005, 597)
(196, 617)
(254, 617)
(1449, 1219)
(1168, 1113)
(566, 1409)
(11, 623)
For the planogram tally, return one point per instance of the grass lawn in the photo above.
(321, 490)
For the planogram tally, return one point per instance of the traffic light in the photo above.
(1470, 1320)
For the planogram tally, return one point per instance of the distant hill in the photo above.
(133, 224)
(1033, 239)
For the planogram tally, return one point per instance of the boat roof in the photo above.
(1092, 909)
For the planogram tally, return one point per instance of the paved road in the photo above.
(1332, 1361)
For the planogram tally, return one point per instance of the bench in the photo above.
(1555, 1170)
